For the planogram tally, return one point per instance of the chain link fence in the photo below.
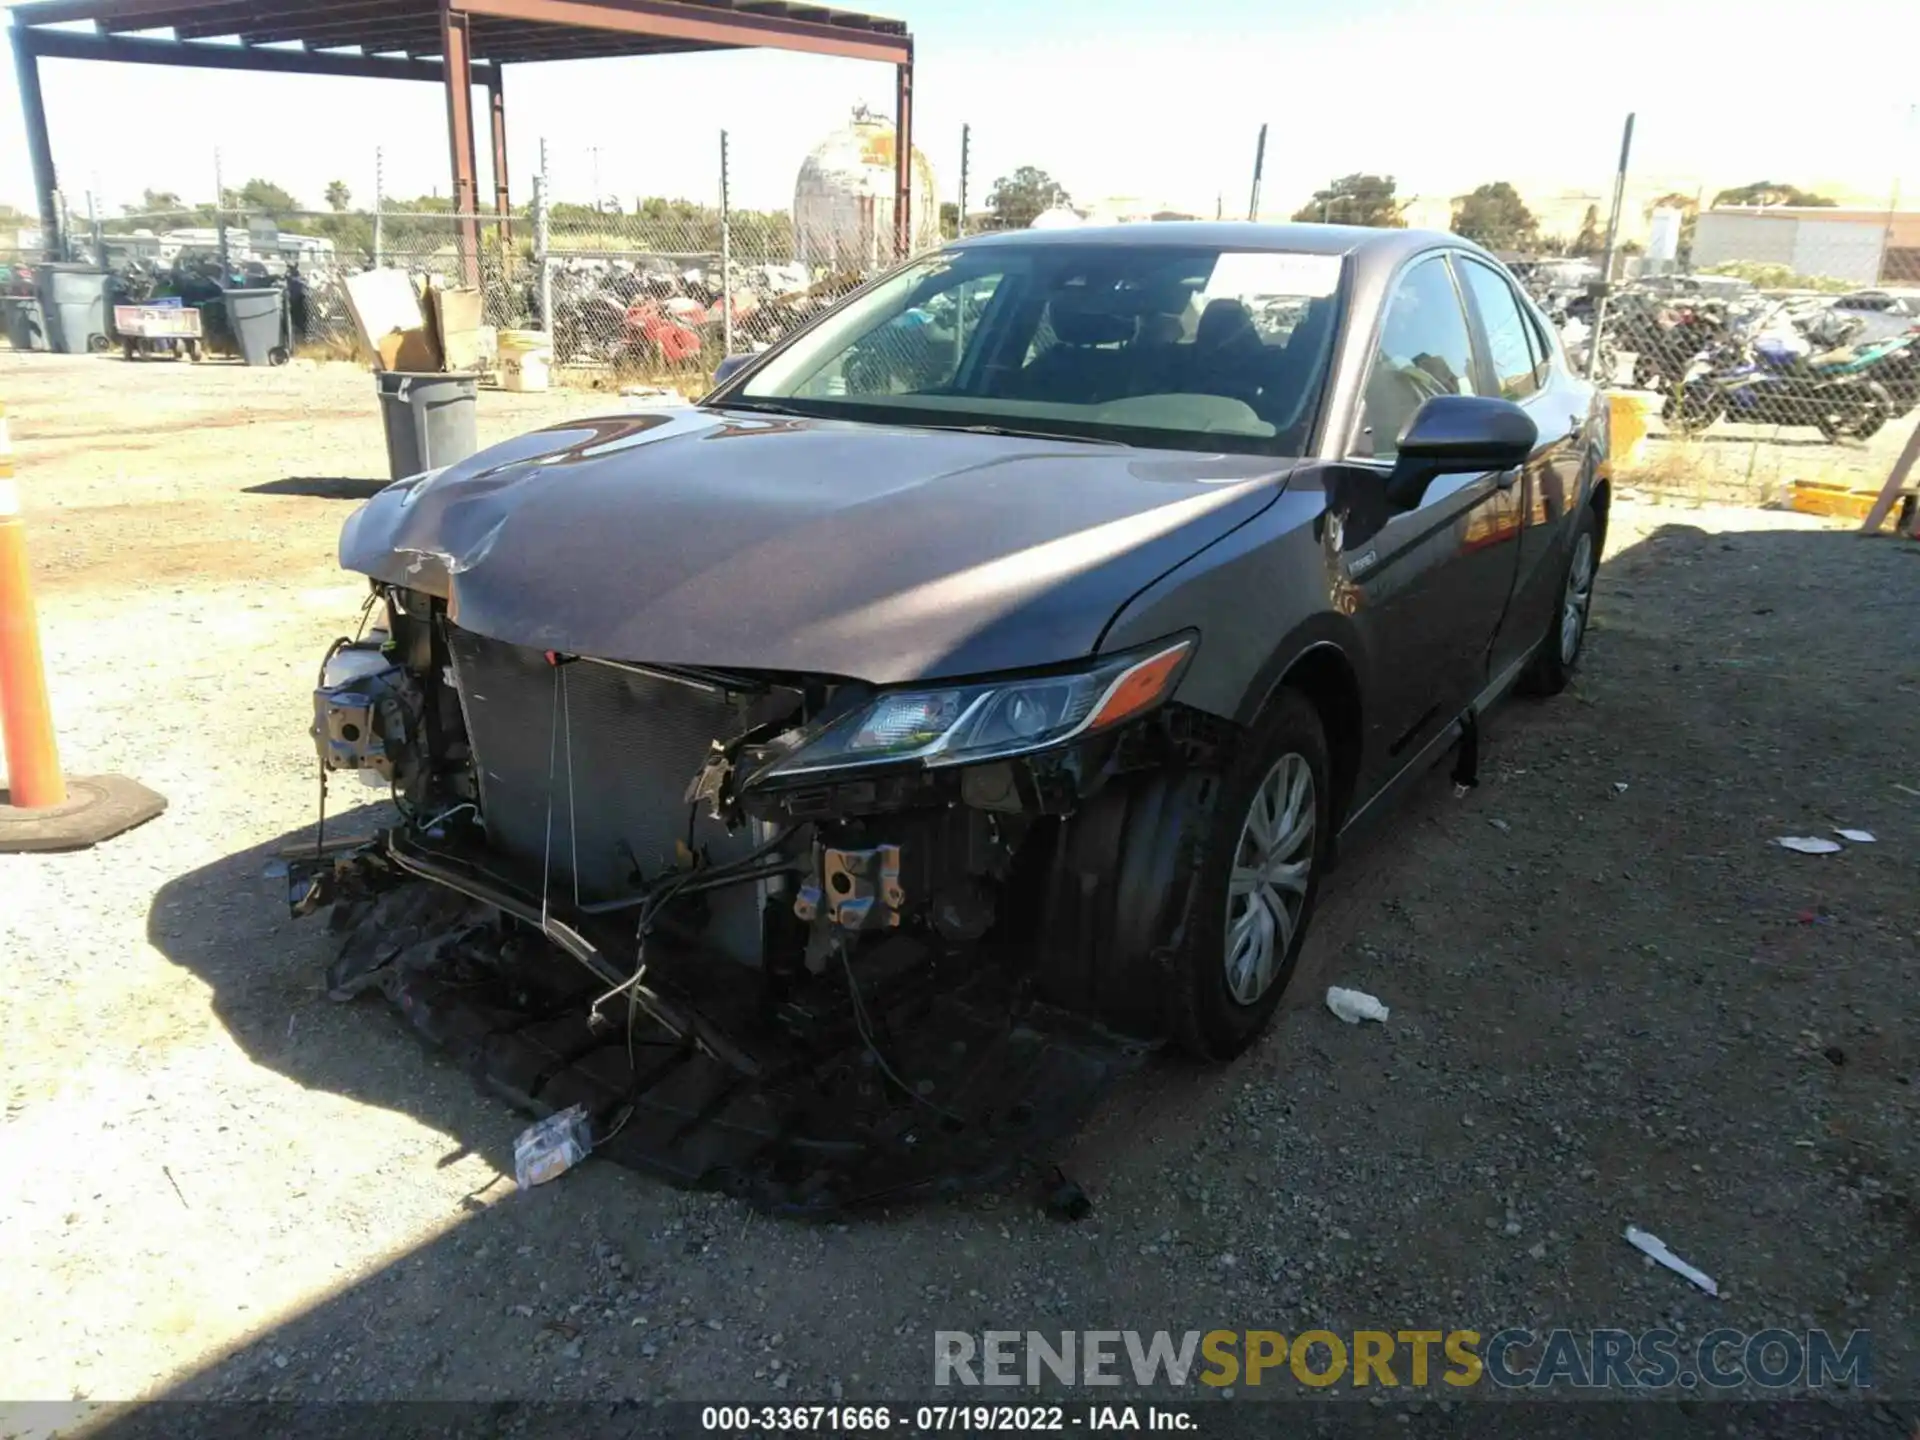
(1767, 349)
(1763, 334)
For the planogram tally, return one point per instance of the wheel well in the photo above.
(1327, 680)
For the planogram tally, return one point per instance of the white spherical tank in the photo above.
(843, 202)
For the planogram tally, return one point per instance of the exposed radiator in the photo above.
(636, 741)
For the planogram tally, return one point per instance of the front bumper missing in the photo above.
(945, 1079)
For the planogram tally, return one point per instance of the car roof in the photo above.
(1373, 249)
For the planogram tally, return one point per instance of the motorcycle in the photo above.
(1772, 381)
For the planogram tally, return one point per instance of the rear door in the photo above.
(1521, 360)
(1428, 590)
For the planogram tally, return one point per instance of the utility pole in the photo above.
(1606, 267)
(1259, 164)
(379, 201)
(220, 215)
(726, 255)
(966, 158)
(543, 241)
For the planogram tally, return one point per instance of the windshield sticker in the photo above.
(1267, 272)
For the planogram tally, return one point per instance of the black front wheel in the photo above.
(1860, 416)
(1267, 842)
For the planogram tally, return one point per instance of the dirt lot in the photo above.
(1614, 1000)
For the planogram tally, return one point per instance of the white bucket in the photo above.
(525, 356)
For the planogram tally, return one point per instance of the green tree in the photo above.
(1018, 199)
(156, 201)
(1355, 199)
(1589, 241)
(1496, 216)
(1768, 192)
(338, 196)
(263, 196)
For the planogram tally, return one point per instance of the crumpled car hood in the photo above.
(756, 542)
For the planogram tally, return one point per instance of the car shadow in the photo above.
(320, 487)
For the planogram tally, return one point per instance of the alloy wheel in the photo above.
(1579, 596)
(1267, 891)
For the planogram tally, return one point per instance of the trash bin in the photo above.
(524, 358)
(20, 317)
(258, 319)
(428, 419)
(73, 301)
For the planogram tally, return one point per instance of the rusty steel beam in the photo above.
(455, 49)
(285, 21)
(536, 43)
(417, 34)
(704, 25)
(135, 50)
(230, 18)
(497, 109)
(903, 160)
(33, 110)
(112, 14)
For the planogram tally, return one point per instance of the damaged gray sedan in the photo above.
(835, 784)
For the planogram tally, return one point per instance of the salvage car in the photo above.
(970, 692)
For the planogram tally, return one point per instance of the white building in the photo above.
(1812, 240)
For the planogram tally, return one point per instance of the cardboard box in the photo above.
(412, 351)
(457, 322)
(387, 316)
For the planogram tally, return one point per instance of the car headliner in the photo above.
(1374, 250)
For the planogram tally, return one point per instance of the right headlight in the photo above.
(989, 719)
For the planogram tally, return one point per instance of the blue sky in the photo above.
(1113, 97)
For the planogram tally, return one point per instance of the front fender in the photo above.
(1259, 597)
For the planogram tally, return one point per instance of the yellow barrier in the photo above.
(1628, 428)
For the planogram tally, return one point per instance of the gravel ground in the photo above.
(1614, 1000)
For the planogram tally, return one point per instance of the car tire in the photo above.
(1558, 655)
(1223, 994)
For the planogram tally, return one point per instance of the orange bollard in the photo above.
(26, 718)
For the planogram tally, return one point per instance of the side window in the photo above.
(1423, 351)
(1510, 344)
(1542, 348)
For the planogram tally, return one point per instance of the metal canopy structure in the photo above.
(443, 41)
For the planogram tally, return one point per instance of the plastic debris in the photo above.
(548, 1148)
(1619, 787)
(1808, 845)
(1353, 1006)
(1656, 1249)
(1858, 837)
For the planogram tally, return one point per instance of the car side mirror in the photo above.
(1455, 434)
(727, 368)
